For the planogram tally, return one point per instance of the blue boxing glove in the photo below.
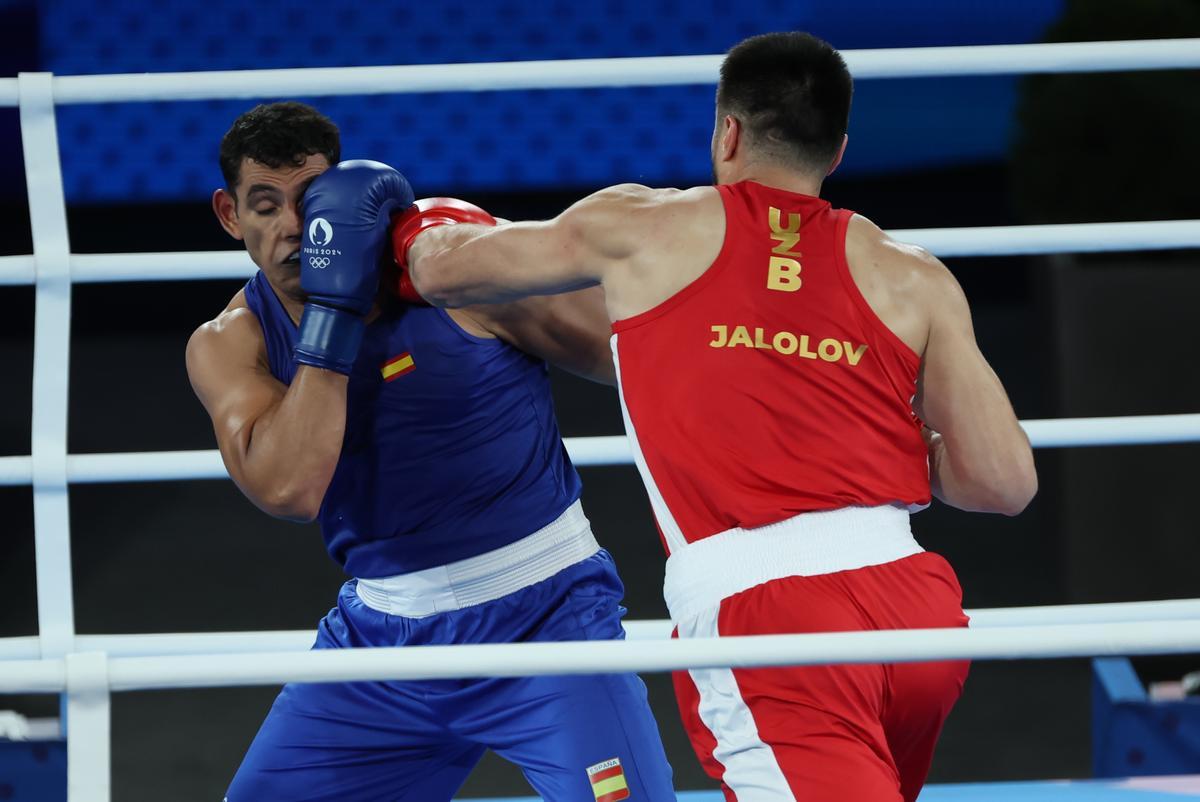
(347, 210)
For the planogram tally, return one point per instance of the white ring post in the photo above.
(51, 352)
(88, 720)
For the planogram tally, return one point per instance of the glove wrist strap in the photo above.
(329, 338)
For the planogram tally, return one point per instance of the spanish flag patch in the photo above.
(608, 781)
(397, 366)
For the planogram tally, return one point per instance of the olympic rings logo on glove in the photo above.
(318, 262)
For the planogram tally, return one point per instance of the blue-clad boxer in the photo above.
(425, 442)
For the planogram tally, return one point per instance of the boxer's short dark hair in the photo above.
(791, 91)
(276, 134)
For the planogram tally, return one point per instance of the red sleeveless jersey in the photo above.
(768, 387)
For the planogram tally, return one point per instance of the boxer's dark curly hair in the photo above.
(276, 134)
(791, 92)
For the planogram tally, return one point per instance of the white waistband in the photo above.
(703, 573)
(476, 580)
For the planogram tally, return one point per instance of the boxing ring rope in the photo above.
(163, 466)
(943, 242)
(78, 665)
(604, 657)
(907, 62)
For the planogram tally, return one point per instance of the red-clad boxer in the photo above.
(772, 352)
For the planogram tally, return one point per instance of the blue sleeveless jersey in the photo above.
(451, 446)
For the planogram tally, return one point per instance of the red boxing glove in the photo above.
(427, 213)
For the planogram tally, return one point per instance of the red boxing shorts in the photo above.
(825, 733)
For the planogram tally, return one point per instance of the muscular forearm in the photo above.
(435, 259)
(291, 451)
(961, 484)
(439, 240)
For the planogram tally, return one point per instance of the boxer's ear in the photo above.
(838, 158)
(225, 208)
(731, 137)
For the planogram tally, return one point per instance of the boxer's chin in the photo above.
(287, 278)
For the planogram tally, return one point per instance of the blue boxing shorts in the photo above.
(576, 738)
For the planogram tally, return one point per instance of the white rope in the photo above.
(1115, 431)
(598, 657)
(23, 648)
(165, 466)
(34, 676)
(988, 617)
(19, 470)
(300, 640)
(1068, 238)
(17, 269)
(176, 266)
(908, 62)
(158, 466)
(944, 242)
(1105, 613)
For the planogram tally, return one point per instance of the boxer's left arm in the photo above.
(461, 265)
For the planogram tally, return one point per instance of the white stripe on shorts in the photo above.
(751, 770)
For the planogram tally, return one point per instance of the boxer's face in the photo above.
(266, 213)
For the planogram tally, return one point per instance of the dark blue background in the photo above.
(505, 140)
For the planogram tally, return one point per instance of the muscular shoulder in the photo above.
(639, 194)
(628, 198)
(876, 257)
(635, 200)
(627, 216)
(904, 284)
(234, 336)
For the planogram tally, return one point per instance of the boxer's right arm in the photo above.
(279, 443)
(465, 265)
(979, 456)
